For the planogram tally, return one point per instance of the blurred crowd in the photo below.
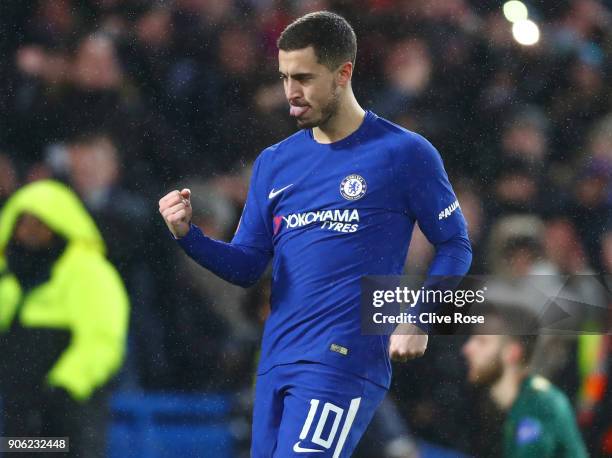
(124, 100)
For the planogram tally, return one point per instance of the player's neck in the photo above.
(347, 120)
(505, 391)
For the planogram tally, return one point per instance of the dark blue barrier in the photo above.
(152, 425)
(429, 450)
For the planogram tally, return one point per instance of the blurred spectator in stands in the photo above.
(592, 199)
(272, 19)
(581, 22)
(94, 171)
(516, 189)
(96, 94)
(96, 66)
(564, 248)
(35, 62)
(63, 319)
(526, 136)
(600, 142)
(500, 364)
(107, 101)
(54, 23)
(169, 59)
(154, 35)
(8, 178)
(497, 94)
(408, 70)
(93, 168)
(579, 102)
(38, 74)
(591, 206)
(521, 254)
(520, 165)
(240, 77)
(516, 247)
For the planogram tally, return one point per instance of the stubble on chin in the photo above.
(327, 112)
(486, 376)
(306, 124)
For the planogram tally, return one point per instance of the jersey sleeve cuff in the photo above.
(194, 234)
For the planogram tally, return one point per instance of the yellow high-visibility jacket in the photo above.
(84, 294)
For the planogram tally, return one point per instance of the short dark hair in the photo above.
(331, 36)
(515, 322)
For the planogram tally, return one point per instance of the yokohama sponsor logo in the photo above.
(321, 216)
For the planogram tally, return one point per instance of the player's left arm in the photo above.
(433, 203)
(430, 200)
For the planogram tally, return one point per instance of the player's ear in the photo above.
(345, 72)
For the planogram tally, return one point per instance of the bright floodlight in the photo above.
(515, 11)
(526, 32)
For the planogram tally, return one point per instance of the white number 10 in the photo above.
(338, 413)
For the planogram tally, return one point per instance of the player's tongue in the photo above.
(297, 111)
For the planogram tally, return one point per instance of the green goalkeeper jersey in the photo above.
(541, 424)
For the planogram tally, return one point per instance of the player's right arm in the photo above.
(243, 260)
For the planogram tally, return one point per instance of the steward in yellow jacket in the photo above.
(63, 317)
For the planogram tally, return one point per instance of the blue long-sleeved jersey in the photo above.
(328, 214)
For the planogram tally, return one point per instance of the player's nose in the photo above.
(293, 90)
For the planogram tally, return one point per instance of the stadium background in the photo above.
(125, 100)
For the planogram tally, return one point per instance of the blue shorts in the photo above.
(309, 409)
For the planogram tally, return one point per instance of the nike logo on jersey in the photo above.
(298, 449)
(274, 193)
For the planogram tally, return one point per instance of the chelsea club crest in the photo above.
(353, 187)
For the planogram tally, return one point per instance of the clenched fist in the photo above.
(175, 207)
(407, 342)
